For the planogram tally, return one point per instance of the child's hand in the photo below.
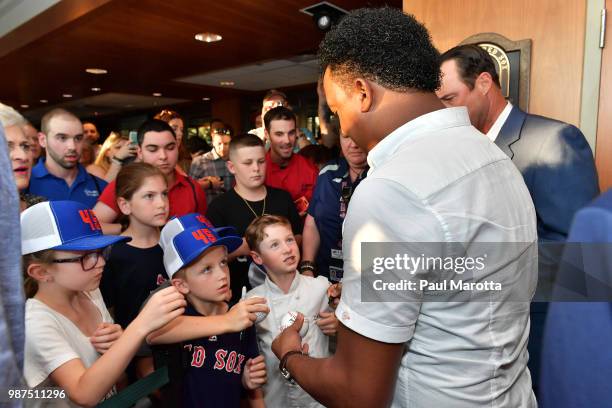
(328, 323)
(242, 315)
(162, 308)
(333, 293)
(254, 374)
(104, 336)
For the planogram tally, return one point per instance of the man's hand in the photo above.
(289, 339)
(254, 374)
(104, 336)
(328, 323)
(243, 313)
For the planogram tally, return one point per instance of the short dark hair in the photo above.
(278, 113)
(196, 144)
(245, 140)
(153, 125)
(382, 45)
(471, 61)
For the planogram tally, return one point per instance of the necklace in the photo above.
(263, 210)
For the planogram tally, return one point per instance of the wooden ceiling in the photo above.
(147, 44)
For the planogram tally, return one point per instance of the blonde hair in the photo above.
(112, 139)
(30, 285)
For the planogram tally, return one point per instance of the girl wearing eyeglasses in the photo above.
(71, 341)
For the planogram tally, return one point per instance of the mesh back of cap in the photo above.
(38, 229)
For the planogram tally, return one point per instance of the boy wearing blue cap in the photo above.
(220, 367)
(71, 341)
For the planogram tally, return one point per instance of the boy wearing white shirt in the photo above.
(273, 246)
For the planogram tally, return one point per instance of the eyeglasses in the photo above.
(89, 260)
(220, 131)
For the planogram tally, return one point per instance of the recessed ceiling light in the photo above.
(157, 94)
(96, 89)
(67, 95)
(206, 99)
(43, 101)
(227, 83)
(96, 71)
(24, 106)
(208, 37)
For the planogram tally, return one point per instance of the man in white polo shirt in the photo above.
(433, 179)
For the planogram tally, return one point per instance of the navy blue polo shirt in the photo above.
(85, 189)
(325, 209)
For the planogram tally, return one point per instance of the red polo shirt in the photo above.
(185, 196)
(298, 178)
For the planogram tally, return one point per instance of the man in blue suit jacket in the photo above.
(554, 158)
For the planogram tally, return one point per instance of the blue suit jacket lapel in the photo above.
(511, 131)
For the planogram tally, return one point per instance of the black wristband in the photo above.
(282, 366)
(118, 160)
(307, 266)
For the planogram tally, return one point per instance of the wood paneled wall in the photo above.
(556, 28)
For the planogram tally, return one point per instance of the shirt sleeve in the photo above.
(313, 173)
(292, 214)
(108, 197)
(46, 348)
(252, 349)
(106, 284)
(382, 211)
(214, 212)
(316, 196)
(201, 205)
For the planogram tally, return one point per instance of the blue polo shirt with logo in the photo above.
(85, 189)
(325, 209)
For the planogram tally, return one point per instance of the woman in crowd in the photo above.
(20, 153)
(113, 154)
(71, 341)
(322, 240)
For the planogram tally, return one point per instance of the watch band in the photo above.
(283, 364)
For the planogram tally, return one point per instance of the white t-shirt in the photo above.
(308, 296)
(52, 340)
(436, 180)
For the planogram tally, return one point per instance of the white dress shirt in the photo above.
(499, 122)
(308, 296)
(437, 180)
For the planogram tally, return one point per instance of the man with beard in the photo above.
(59, 176)
(285, 170)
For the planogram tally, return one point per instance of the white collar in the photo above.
(499, 122)
(440, 119)
(275, 290)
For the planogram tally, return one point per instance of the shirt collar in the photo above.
(432, 121)
(270, 162)
(41, 171)
(275, 290)
(499, 122)
(178, 179)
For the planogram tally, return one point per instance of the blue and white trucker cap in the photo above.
(62, 225)
(178, 224)
(186, 245)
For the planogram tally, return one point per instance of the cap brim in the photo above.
(89, 243)
(232, 243)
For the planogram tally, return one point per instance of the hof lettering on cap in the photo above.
(203, 220)
(204, 235)
(89, 218)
